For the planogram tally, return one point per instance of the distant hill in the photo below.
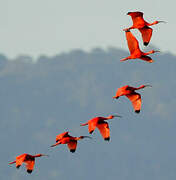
(41, 99)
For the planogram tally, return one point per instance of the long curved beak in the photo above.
(162, 22)
(87, 137)
(115, 115)
(45, 155)
(148, 85)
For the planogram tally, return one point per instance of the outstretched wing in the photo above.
(92, 125)
(146, 58)
(135, 98)
(132, 42)
(19, 160)
(120, 91)
(146, 34)
(30, 165)
(72, 146)
(104, 130)
(60, 136)
(137, 17)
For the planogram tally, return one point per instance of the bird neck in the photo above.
(84, 124)
(149, 52)
(78, 138)
(153, 23)
(140, 87)
(110, 117)
(37, 155)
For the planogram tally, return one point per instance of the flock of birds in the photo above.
(128, 91)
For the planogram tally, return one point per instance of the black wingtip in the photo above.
(127, 30)
(18, 166)
(29, 171)
(137, 111)
(107, 139)
(146, 43)
(115, 97)
(91, 132)
(72, 150)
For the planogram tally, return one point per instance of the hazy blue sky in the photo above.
(63, 91)
(48, 27)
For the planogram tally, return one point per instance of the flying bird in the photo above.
(69, 140)
(135, 51)
(130, 93)
(101, 124)
(28, 159)
(62, 135)
(143, 26)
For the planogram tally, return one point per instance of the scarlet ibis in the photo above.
(130, 93)
(28, 159)
(62, 135)
(70, 141)
(143, 26)
(101, 124)
(135, 51)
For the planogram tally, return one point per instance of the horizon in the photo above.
(42, 27)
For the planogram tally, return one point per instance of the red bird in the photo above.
(69, 140)
(62, 135)
(143, 26)
(28, 159)
(135, 51)
(101, 124)
(130, 93)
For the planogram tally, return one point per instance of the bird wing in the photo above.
(146, 58)
(20, 159)
(60, 136)
(72, 146)
(146, 34)
(135, 98)
(120, 91)
(104, 130)
(30, 165)
(92, 125)
(132, 42)
(137, 17)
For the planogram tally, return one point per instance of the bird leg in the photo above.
(124, 59)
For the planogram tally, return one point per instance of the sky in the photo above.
(58, 93)
(53, 26)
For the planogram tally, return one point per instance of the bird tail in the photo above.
(12, 162)
(84, 124)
